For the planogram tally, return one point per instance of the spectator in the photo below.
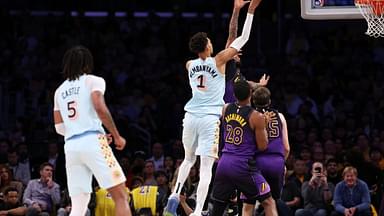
(138, 163)
(149, 173)
(137, 181)
(12, 204)
(351, 196)
(169, 166)
(42, 195)
(332, 173)
(126, 166)
(164, 191)
(22, 151)
(377, 158)
(4, 147)
(20, 171)
(157, 156)
(318, 154)
(53, 152)
(299, 173)
(6, 180)
(316, 193)
(291, 195)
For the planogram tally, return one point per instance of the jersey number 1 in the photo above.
(201, 80)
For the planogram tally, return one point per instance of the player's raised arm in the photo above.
(227, 54)
(233, 23)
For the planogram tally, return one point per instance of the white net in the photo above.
(372, 10)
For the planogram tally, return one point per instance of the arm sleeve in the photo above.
(239, 42)
(55, 194)
(337, 199)
(365, 198)
(306, 192)
(96, 83)
(55, 103)
(27, 194)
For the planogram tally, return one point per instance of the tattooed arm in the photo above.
(233, 24)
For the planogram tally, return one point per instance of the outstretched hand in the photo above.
(238, 4)
(264, 80)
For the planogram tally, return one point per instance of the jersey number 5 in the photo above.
(71, 105)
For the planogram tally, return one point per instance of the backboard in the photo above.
(329, 10)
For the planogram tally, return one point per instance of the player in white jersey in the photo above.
(79, 112)
(202, 118)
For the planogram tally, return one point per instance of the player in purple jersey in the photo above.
(245, 133)
(271, 161)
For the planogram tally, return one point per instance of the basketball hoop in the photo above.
(372, 11)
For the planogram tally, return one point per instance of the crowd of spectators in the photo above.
(328, 83)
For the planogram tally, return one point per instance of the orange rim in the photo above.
(377, 5)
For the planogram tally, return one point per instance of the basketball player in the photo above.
(244, 134)
(271, 161)
(233, 66)
(79, 112)
(202, 118)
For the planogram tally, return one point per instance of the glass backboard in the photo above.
(329, 9)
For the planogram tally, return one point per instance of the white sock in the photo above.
(206, 164)
(80, 204)
(184, 169)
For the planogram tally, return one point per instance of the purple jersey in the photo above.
(230, 74)
(275, 136)
(239, 138)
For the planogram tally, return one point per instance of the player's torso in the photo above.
(76, 107)
(274, 131)
(208, 87)
(239, 137)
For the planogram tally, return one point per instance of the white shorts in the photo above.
(201, 134)
(89, 154)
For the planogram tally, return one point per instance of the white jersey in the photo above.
(73, 100)
(208, 87)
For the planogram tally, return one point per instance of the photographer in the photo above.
(317, 193)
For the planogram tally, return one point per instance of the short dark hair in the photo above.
(77, 60)
(241, 89)
(45, 164)
(261, 97)
(198, 42)
(10, 189)
(331, 160)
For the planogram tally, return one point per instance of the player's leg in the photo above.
(184, 169)
(120, 197)
(248, 209)
(190, 143)
(79, 177)
(107, 171)
(262, 189)
(189, 139)
(222, 187)
(208, 141)
(206, 164)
